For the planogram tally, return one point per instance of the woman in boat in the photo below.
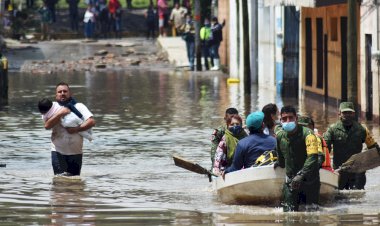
(270, 116)
(226, 148)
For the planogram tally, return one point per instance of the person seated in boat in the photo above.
(297, 150)
(250, 148)
(270, 116)
(218, 133)
(48, 108)
(324, 159)
(226, 148)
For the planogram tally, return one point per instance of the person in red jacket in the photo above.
(114, 8)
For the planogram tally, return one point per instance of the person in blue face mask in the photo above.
(297, 150)
(226, 148)
(253, 146)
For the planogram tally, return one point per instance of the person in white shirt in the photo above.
(89, 22)
(67, 143)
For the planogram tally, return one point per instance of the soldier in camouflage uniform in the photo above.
(346, 138)
(297, 149)
(324, 160)
(218, 133)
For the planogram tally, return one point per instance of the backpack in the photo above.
(267, 158)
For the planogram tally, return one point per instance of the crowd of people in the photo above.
(182, 24)
(297, 145)
(100, 16)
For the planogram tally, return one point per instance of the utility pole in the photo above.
(197, 19)
(246, 53)
(352, 79)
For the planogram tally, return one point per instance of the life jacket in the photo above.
(267, 158)
(327, 163)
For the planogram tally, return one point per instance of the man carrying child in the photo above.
(67, 143)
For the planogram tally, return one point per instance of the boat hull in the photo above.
(263, 185)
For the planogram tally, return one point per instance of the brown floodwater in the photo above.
(128, 175)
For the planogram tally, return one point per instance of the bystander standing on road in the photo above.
(177, 19)
(188, 36)
(150, 16)
(206, 36)
(46, 20)
(162, 8)
(217, 38)
(73, 14)
(89, 22)
(115, 11)
(51, 6)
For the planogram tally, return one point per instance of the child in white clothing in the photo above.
(48, 109)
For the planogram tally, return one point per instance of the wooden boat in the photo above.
(263, 185)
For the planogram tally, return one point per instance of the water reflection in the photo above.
(143, 117)
(70, 202)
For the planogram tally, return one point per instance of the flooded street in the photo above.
(128, 175)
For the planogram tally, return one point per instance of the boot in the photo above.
(216, 65)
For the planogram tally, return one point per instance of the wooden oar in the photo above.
(193, 167)
(361, 162)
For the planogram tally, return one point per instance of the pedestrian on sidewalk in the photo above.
(162, 8)
(206, 36)
(51, 6)
(89, 22)
(73, 13)
(46, 20)
(103, 18)
(177, 19)
(115, 11)
(217, 38)
(129, 4)
(188, 36)
(150, 16)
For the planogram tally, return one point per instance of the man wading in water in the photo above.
(67, 153)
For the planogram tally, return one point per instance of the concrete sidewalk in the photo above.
(175, 48)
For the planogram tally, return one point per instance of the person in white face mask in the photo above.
(297, 149)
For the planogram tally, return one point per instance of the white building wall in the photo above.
(241, 44)
(266, 46)
(233, 41)
(368, 25)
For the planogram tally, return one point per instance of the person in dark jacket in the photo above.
(73, 13)
(217, 38)
(188, 36)
(150, 16)
(46, 20)
(51, 6)
(297, 150)
(250, 148)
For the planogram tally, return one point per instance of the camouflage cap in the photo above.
(346, 106)
(304, 120)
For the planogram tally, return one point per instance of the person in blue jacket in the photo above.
(254, 145)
